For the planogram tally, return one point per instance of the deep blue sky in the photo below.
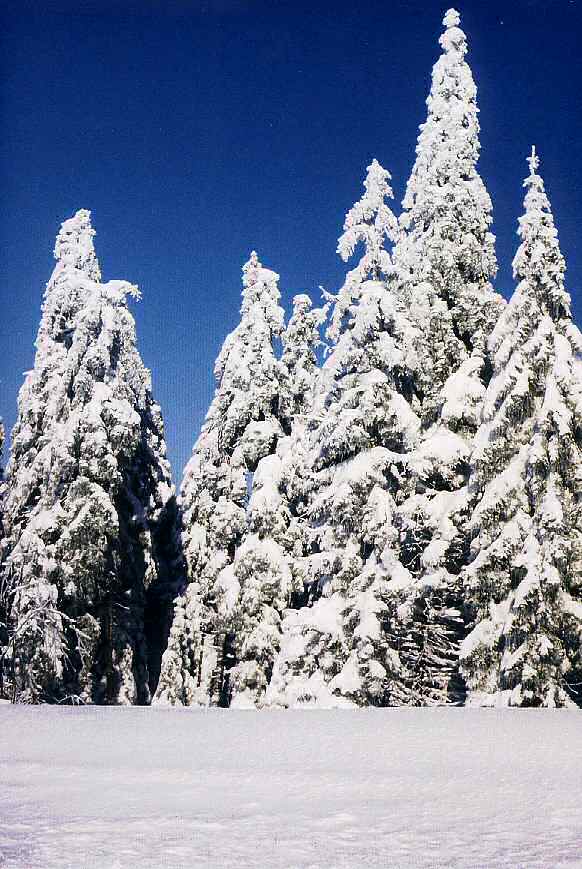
(196, 131)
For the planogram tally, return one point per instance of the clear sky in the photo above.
(197, 130)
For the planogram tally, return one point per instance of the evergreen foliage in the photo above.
(90, 510)
(446, 254)
(525, 577)
(242, 426)
(445, 258)
(362, 424)
(265, 561)
(299, 359)
(400, 525)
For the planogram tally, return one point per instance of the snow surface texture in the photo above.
(99, 789)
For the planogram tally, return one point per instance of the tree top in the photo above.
(302, 302)
(74, 244)
(453, 40)
(452, 18)
(533, 161)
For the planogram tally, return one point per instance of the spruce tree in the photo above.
(264, 563)
(299, 359)
(262, 572)
(90, 509)
(446, 260)
(525, 577)
(446, 253)
(361, 428)
(242, 426)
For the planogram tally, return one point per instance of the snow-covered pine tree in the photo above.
(362, 426)
(90, 511)
(369, 222)
(525, 577)
(241, 427)
(446, 252)
(264, 562)
(299, 359)
(301, 373)
(445, 258)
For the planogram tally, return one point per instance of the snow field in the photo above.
(121, 788)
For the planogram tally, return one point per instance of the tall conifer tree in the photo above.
(241, 427)
(299, 359)
(362, 425)
(265, 561)
(526, 574)
(90, 510)
(446, 261)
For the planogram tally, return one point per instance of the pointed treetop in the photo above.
(253, 260)
(302, 302)
(260, 288)
(536, 199)
(534, 161)
(453, 39)
(539, 260)
(370, 221)
(74, 245)
(251, 269)
(452, 18)
(377, 173)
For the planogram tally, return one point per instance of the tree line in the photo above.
(398, 525)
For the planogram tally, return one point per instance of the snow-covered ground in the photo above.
(167, 788)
